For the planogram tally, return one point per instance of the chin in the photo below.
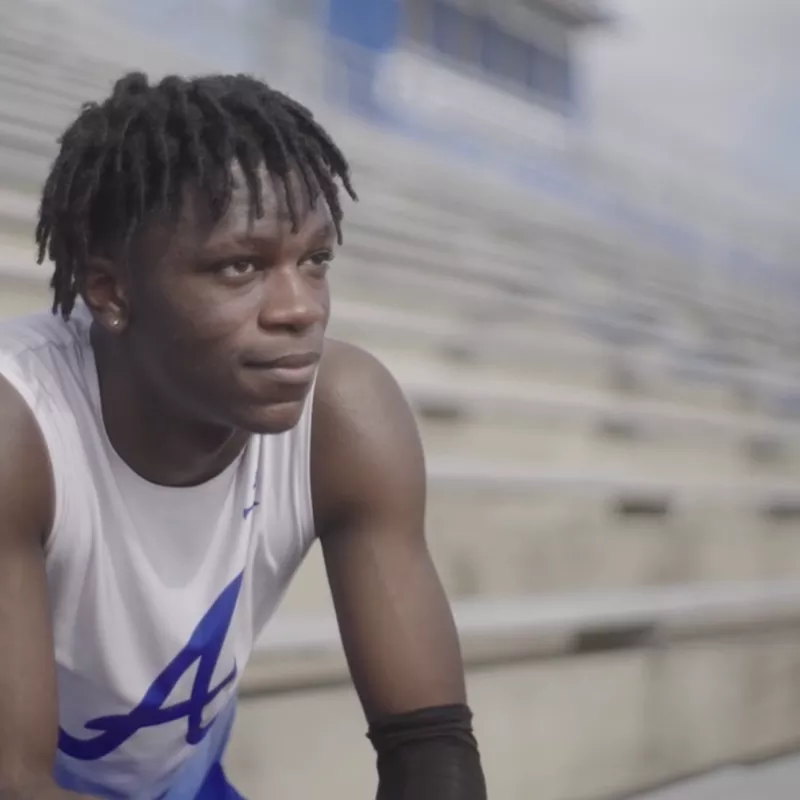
(272, 419)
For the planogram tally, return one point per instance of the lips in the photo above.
(291, 361)
(294, 368)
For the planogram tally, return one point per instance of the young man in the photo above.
(160, 475)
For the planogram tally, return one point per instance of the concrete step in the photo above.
(24, 171)
(542, 415)
(589, 727)
(489, 545)
(21, 296)
(26, 138)
(561, 443)
(776, 779)
(370, 270)
(46, 112)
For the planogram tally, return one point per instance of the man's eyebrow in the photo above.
(325, 232)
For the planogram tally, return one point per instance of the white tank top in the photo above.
(157, 593)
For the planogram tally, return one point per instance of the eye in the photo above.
(323, 257)
(235, 270)
(320, 262)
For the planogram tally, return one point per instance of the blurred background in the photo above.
(577, 249)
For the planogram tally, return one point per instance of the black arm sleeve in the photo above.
(429, 754)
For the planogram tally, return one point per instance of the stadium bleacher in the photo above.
(552, 363)
(611, 428)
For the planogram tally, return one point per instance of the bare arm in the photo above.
(28, 709)
(397, 628)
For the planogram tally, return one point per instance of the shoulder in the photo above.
(365, 442)
(26, 487)
(41, 378)
(353, 382)
(37, 331)
(41, 355)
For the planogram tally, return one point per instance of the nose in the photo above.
(292, 302)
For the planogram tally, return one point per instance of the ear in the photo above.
(105, 291)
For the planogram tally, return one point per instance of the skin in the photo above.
(174, 342)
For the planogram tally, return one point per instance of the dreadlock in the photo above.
(129, 158)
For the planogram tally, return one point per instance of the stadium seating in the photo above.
(575, 391)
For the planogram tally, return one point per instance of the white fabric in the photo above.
(133, 568)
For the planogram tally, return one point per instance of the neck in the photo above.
(154, 439)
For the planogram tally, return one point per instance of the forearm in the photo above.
(429, 754)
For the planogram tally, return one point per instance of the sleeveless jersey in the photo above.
(157, 594)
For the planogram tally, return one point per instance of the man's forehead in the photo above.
(273, 194)
(311, 211)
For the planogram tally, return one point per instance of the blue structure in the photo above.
(534, 61)
(524, 46)
(475, 40)
(371, 24)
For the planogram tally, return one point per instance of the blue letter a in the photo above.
(204, 647)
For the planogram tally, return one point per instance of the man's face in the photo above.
(228, 323)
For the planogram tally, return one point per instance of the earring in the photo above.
(115, 323)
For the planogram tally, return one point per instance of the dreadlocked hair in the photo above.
(129, 158)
